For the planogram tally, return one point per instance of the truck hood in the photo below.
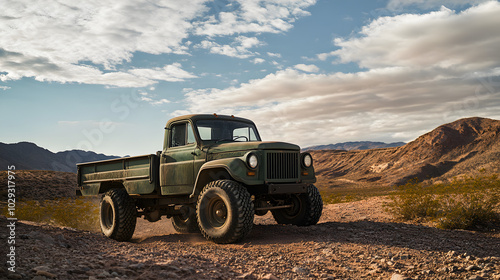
(248, 146)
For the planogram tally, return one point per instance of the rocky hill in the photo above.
(40, 184)
(356, 145)
(464, 147)
(28, 156)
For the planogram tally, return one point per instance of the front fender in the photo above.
(218, 169)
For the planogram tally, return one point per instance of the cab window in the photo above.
(181, 135)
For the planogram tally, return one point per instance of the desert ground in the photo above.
(355, 240)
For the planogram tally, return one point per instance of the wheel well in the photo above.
(208, 175)
(106, 186)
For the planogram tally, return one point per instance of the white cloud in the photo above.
(4, 87)
(255, 16)
(325, 56)
(274, 54)
(86, 42)
(170, 73)
(422, 71)
(427, 4)
(150, 98)
(307, 68)
(239, 47)
(258, 61)
(467, 41)
(17, 66)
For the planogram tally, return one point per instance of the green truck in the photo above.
(212, 176)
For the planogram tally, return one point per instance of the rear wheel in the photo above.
(225, 211)
(305, 211)
(118, 215)
(187, 222)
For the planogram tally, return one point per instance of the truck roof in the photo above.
(196, 117)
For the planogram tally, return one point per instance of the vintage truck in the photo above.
(212, 176)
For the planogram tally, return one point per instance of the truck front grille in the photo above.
(282, 165)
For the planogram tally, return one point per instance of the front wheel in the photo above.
(118, 215)
(305, 209)
(225, 211)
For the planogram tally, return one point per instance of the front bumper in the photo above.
(287, 188)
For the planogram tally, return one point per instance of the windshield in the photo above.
(227, 130)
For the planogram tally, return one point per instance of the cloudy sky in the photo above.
(107, 75)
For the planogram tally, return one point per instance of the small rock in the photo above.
(475, 277)
(14, 276)
(396, 276)
(39, 277)
(42, 237)
(136, 266)
(404, 257)
(103, 274)
(248, 275)
(42, 268)
(269, 277)
(300, 270)
(170, 275)
(46, 274)
(472, 268)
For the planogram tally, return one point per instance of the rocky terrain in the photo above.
(355, 240)
(464, 147)
(40, 184)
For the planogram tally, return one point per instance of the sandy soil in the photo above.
(355, 240)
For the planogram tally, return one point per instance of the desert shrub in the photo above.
(466, 203)
(81, 213)
(470, 210)
(349, 194)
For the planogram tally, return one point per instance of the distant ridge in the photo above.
(465, 147)
(356, 145)
(29, 156)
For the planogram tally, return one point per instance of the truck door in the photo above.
(177, 161)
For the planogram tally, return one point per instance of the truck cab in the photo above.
(212, 176)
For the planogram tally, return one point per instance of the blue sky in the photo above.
(107, 75)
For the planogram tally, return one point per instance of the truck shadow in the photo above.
(417, 237)
(401, 235)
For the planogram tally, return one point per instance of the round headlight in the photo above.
(307, 160)
(252, 161)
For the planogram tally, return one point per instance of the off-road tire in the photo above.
(225, 212)
(186, 223)
(117, 215)
(306, 210)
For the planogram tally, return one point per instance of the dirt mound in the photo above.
(464, 147)
(40, 184)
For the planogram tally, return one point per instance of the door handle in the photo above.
(194, 153)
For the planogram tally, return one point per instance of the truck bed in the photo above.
(138, 174)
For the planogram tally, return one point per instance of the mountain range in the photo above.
(465, 147)
(356, 145)
(29, 156)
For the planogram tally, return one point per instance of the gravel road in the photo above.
(355, 240)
